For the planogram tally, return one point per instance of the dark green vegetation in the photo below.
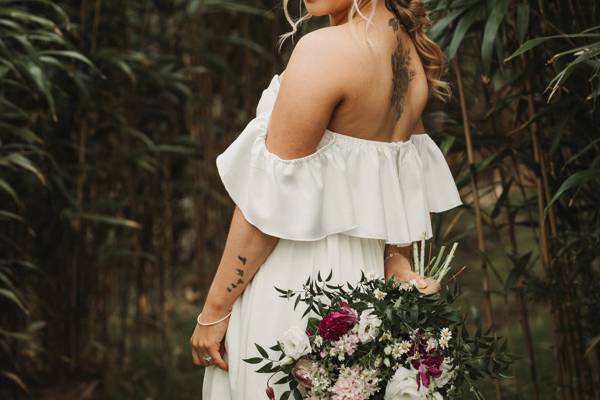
(112, 217)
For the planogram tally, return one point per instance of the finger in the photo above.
(195, 357)
(216, 357)
(422, 283)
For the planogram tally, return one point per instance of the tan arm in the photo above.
(246, 249)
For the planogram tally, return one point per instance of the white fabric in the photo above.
(333, 210)
(363, 188)
(260, 316)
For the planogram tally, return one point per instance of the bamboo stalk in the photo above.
(522, 300)
(489, 313)
(476, 202)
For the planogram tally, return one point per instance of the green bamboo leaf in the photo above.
(576, 180)
(11, 376)
(74, 56)
(28, 18)
(12, 297)
(37, 75)
(491, 29)
(23, 162)
(7, 215)
(440, 25)
(104, 219)
(8, 189)
(461, 30)
(523, 12)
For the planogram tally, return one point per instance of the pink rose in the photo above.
(336, 323)
(302, 372)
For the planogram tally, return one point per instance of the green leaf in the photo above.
(253, 360)
(523, 12)
(461, 30)
(574, 181)
(7, 294)
(104, 219)
(262, 351)
(491, 29)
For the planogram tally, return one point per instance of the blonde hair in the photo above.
(412, 16)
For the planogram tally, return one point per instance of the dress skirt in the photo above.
(260, 316)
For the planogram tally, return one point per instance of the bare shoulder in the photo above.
(312, 85)
(321, 56)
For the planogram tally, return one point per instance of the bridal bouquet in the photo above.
(380, 339)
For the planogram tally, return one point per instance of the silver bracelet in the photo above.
(211, 323)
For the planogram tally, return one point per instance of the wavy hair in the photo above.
(413, 18)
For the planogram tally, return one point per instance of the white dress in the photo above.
(333, 210)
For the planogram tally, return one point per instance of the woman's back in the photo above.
(388, 90)
(336, 80)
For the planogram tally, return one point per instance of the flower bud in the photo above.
(270, 393)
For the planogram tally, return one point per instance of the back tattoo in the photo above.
(402, 74)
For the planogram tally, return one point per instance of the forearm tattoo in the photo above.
(402, 74)
(239, 275)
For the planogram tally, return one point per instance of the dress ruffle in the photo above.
(359, 187)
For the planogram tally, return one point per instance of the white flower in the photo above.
(387, 350)
(431, 344)
(446, 333)
(386, 362)
(387, 335)
(318, 341)
(372, 275)
(403, 386)
(379, 295)
(447, 375)
(295, 343)
(443, 343)
(400, 348)
(368, 326)
(445, 336)
(284, 361)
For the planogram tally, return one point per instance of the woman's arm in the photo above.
(246, 249)
(307, 96)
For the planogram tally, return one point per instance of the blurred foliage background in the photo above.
(113, 218)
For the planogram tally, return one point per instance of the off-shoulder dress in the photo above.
(333, 210)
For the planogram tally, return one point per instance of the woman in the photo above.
(344, 180)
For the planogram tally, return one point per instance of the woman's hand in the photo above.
(397, 265)
(208, 341)
(423, 285)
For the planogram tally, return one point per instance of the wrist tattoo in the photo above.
(239, 272)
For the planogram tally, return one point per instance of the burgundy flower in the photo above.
(428, 366)
(270, 392)
(336, 323)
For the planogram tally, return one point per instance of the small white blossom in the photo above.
(387, 350)
(371, 276)
(387, 335)
(386, 362)
(401, 348)
(431, 344)
(318, 341)
(379, 295)
(368, 326)
(443, 343)
(446, 333)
